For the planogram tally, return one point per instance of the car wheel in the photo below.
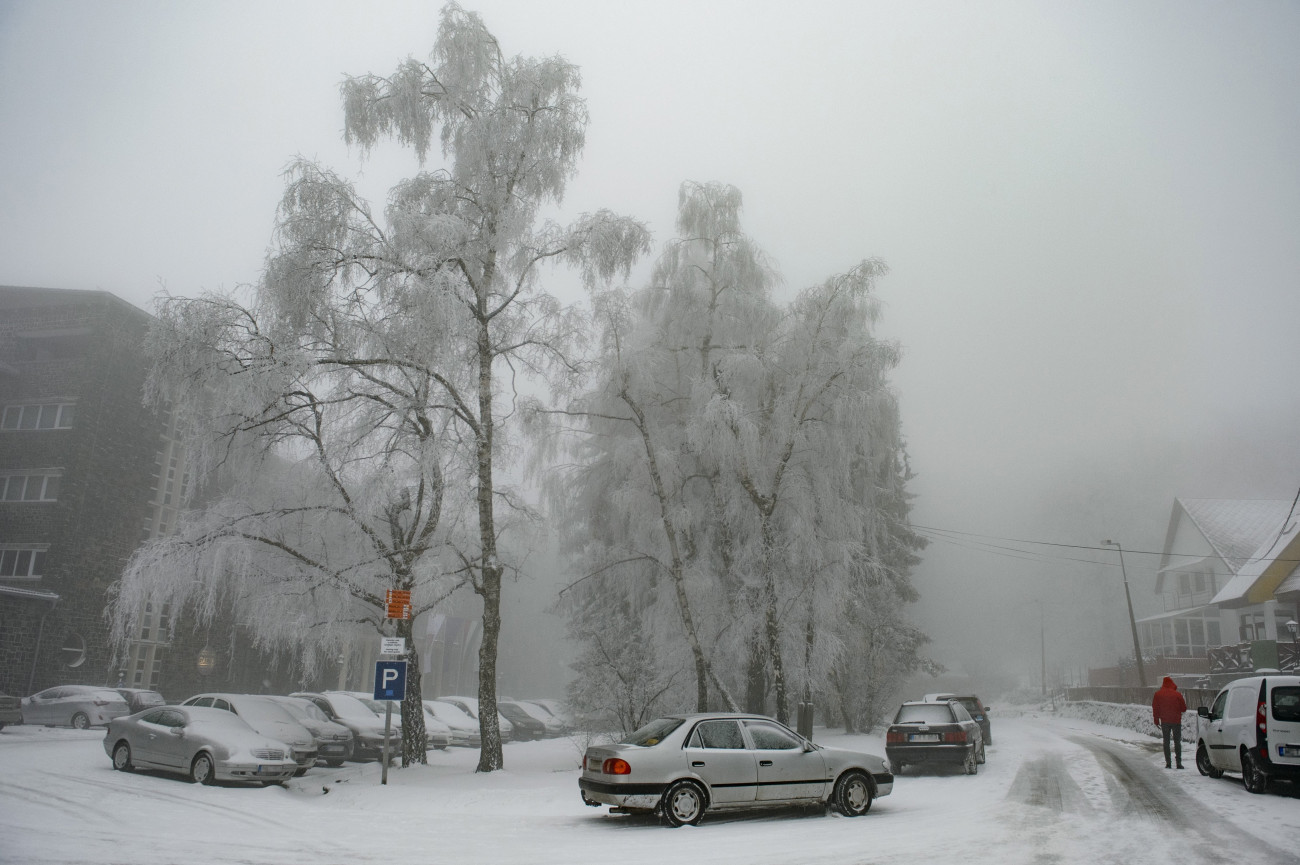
(201, 770)
(683, 804)
(852, 796)
(981, 759)
(81, 721)
(971, 764)
(1203, 764)
(122, 757)
(1255, 778)
(333, 764)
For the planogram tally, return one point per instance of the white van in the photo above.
(1252, 727)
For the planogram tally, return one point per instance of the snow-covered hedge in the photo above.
(1129, 717)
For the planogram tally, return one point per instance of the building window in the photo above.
(30, 486)
(1251, 627)
(38, 416)
(22, 563)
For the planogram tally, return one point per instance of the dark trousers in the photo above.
(1176, 731)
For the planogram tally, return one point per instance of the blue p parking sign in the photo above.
(390, 680)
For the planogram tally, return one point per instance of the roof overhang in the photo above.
(1176, 614)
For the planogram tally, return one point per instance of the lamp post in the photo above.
(1132, 623)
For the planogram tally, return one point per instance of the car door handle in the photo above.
(765, 762)
(695, 764)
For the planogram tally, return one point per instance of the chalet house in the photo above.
(1228, 579)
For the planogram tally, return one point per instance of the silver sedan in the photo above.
(681, 766)
(207, 745)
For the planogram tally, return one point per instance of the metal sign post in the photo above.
(390, 685)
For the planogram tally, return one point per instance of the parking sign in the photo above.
(390, 680)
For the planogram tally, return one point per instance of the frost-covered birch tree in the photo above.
(430, 309)
(729, 442)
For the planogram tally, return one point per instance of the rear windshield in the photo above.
(924, 713)
(654, 732)
(1286, 704)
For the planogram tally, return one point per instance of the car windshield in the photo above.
(924, 713)
(654, 732)
(303, 709)
(262, 710)
(351, 707)
(972, 705)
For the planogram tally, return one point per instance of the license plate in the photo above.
(264, 770)
(923, 737)
(1288, 750)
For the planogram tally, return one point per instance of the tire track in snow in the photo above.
(1140, 789)
(145, 793)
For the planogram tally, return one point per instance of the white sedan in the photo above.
(684, 765)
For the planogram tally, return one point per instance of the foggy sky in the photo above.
(1090, 212)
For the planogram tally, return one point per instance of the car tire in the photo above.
(333, 764)
(81, 721)
(1255, 778)
(683, 804)
(971, 764)
(122, 757)
(202, 770)
(1203, 764)
(981, 759)
(852, 796)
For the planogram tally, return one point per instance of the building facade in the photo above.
(78, 452)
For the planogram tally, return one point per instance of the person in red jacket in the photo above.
(1167, 708)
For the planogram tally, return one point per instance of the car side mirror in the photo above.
(178, 732)
(1203, 711)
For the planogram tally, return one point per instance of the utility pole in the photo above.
(1132, 623)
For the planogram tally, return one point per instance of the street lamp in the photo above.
(1137, 647)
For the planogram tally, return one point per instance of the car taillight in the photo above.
(895, 738)
(615, 766)
(958, 736)
(1261, 720)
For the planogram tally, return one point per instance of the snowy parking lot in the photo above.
(1053, 790)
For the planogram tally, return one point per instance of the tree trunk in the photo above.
(490, 757)
(414, 735)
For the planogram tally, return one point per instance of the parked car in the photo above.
(206, 744)
(974, 707)
(469, 705)
(367, 729)
(139, 699)
(556, 711)
(79, 706)
(682, 766)
(924, 733)
(10, 710)
(526, 725)
(1252, 727)
(437, 735)
(464, 729)
(268, 718)
(333, 740)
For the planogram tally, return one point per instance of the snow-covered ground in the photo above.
(1054, 789)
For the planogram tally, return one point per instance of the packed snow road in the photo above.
(1053, 791)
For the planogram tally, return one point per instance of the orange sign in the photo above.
(398, 602)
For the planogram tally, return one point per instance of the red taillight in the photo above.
(958, 736)
(1261, 719)
(895, 738)
(615, 766)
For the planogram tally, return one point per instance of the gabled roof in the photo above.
(1270, 571)
(1237, 528)
(1268, 566)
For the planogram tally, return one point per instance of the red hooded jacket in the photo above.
(1167, 706)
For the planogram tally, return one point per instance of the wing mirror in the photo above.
(1203, 711)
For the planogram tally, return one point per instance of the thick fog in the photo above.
(1090, 213)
